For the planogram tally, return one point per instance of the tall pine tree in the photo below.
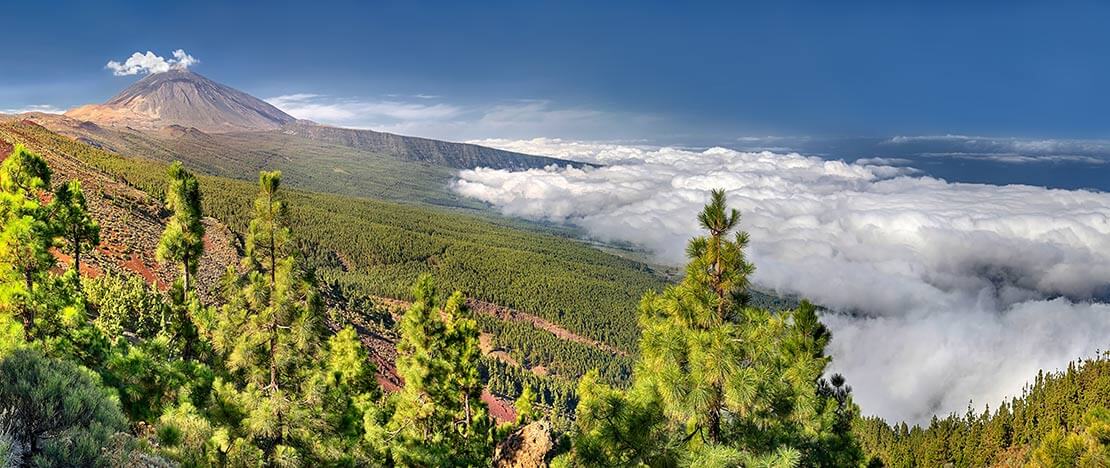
(440, 419)
(272, 327)
(26, 237)
(717, 382)
(182, 241)
(691, 344)
(77, 230)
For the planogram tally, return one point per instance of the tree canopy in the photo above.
(111, 370)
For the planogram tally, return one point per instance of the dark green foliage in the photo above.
(531, 347)
(719, 383)
(122, 305)
(76, 229)
(440, 419)
(1048, 410)
(150, 377)
(183, 240)
(556, 396)
(61, 414)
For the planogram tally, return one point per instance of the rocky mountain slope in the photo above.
(181, 97)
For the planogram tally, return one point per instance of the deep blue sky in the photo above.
(675, 72)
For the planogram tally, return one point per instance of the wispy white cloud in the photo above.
(1009, 150)
(883, 161)
(1015, 158)
(357, 113)
(417, 96)
(431, 116)
(148, 63)
(942, 292)
(44, 108)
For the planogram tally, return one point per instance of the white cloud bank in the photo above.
(149, 63)
(947, 293)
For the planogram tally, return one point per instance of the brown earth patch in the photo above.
(131, 222)
(500, 408)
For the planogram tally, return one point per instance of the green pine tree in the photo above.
(24, 173)
(525, 406)
(272, 330)
(731, 384)
(1090, 446)
(182, 241)
(78, 231)
(440, 419)
(26, 237)
(691, 346)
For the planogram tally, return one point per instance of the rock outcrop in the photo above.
(531, 446)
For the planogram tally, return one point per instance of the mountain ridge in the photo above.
(181, 103)
(428, 150)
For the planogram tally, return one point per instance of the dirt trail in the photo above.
(509, 314)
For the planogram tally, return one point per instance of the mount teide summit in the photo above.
(181, 97)
(196, 118)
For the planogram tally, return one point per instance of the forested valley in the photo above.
(269, 365)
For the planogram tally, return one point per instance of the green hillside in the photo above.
(1060, 418)
(437, 152)
(307, 164)
(379, 248)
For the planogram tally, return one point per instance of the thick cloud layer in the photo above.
(944, 293)
(150, 63)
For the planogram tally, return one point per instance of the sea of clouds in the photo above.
(943, 294)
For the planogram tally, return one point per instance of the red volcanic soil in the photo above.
(387, 384)
(65, 261)
(499, 408)
(136, 264)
